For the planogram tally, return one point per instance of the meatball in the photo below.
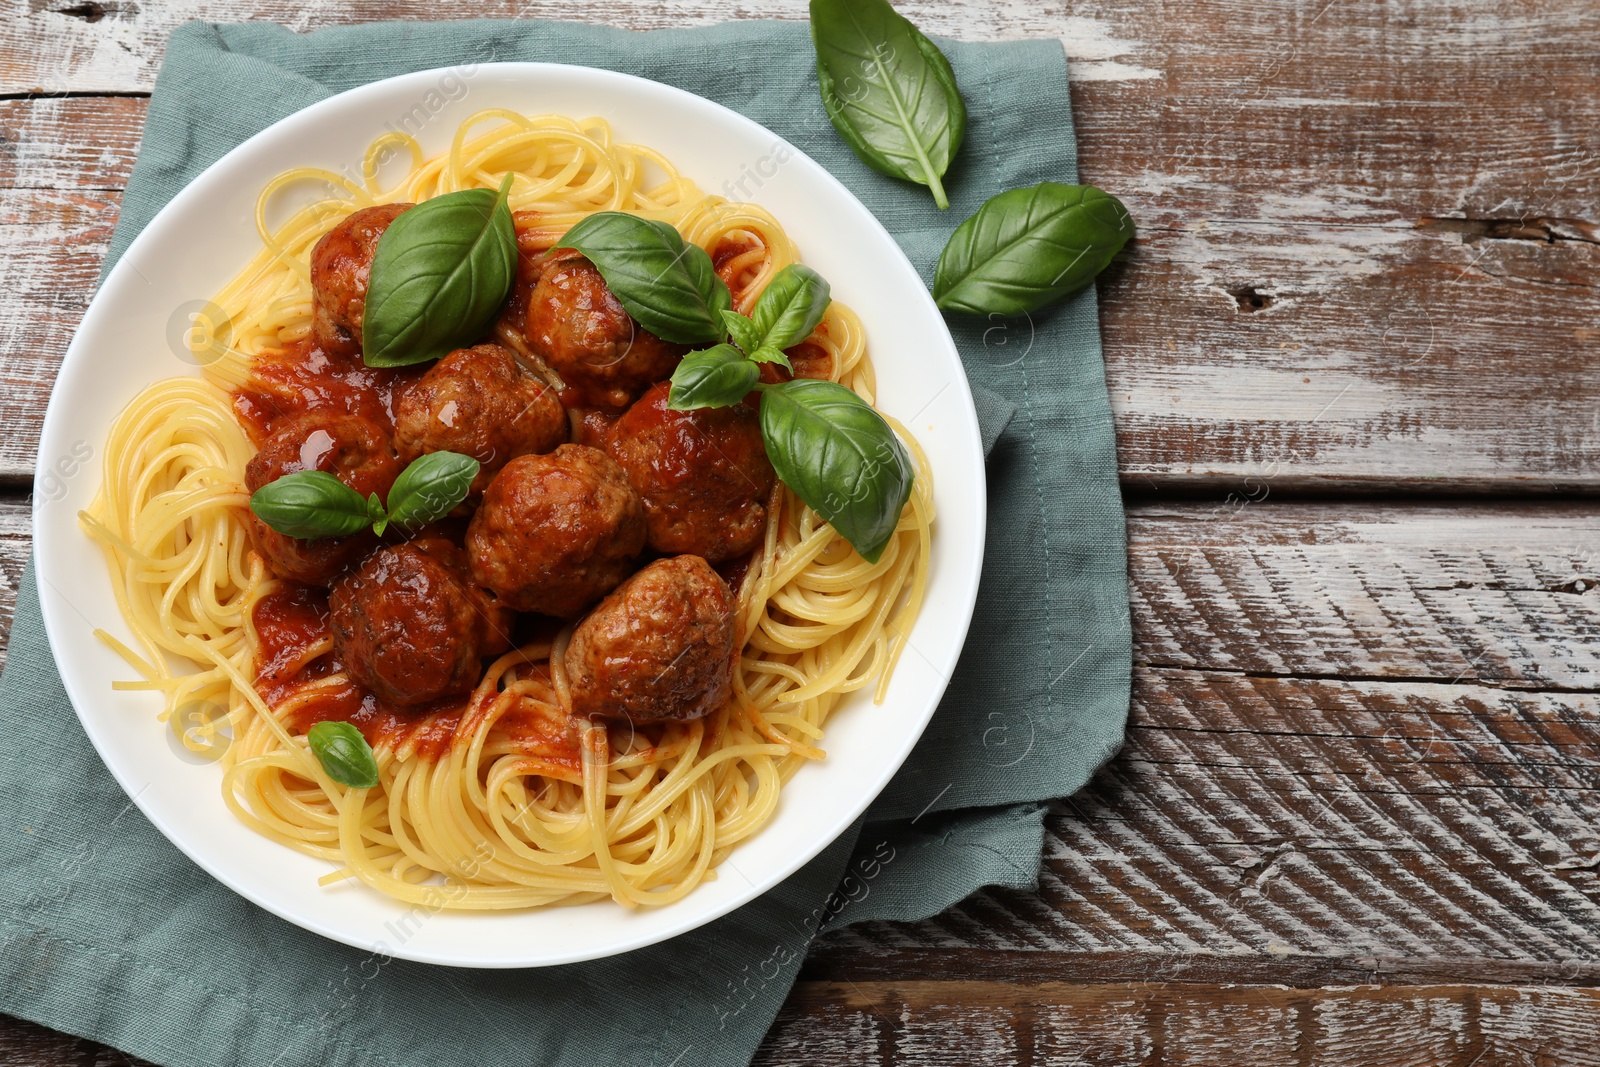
(478, 402)
(412, 627)
(556, 532)
(582, 331)
(658, 648)
(352, 448)
(340, 264)
(703, 475)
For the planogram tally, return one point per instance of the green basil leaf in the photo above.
(344, 754)
(1028, 247)
(669, 286)
(713, 378)
(377, 514)
(840, 457)
(440, 274)
(308, 504)
(742, 330)
(790, 307)
(768, 354)
(888, 90)
(430, 487)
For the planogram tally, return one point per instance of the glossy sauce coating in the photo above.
(292, 619)
(411, 626)
(659, 648)
(556, 532)
(603, 356)
(341, 263)
(352, 448)
(300, 377)
(703, 475)
(479, 402)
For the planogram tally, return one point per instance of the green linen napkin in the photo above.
(108, 932)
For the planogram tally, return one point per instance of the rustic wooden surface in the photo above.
(1351, 355)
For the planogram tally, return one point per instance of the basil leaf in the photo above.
(888, 90)
(376, 514)
(713, 378)
(1028, 247)
(790, 307)
(840, 457)
(308, 504)
(742, 330)
(440, 274)
(768, 354)
(430, 487)
(669, 286)
(344, 754)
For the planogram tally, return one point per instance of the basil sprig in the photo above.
(439, 276)
(311, 504)
(712, 378)
(668, 285)
(344, 754)
(789, 308)
(825, 442)
(1028, 247)
(888, 90)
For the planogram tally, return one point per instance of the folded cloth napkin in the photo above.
(108, 932)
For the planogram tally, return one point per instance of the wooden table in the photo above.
(1353, 361)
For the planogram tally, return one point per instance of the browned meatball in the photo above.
(658, 648)
(352, 448)
(556, 532)
(579, 328)
(478, 402)
(703, 475)
(411, 626)
(340, 264)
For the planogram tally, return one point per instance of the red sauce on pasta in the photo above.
(302, 377)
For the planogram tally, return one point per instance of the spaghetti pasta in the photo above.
(505, 802)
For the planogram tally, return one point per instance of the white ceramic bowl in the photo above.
(206, 234)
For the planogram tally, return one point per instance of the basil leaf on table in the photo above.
(1027, 247)
(713, 378)
(790, 307)
(888, 90)
(439, 276)
(309, 504)
(668, 285)
(430, 487)
(840, 457)
(344, 754)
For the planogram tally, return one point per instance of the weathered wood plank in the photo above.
(1071, 1024)
(1333, 314)
(1058, 1024)
(16, 544)
(1441, 810)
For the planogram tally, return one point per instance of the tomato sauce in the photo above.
(288, 622)
(301, 377)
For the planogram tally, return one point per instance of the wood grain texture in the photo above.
(1060, 1024)
(1357, 820)
(1363, 744)
(1340, 280)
